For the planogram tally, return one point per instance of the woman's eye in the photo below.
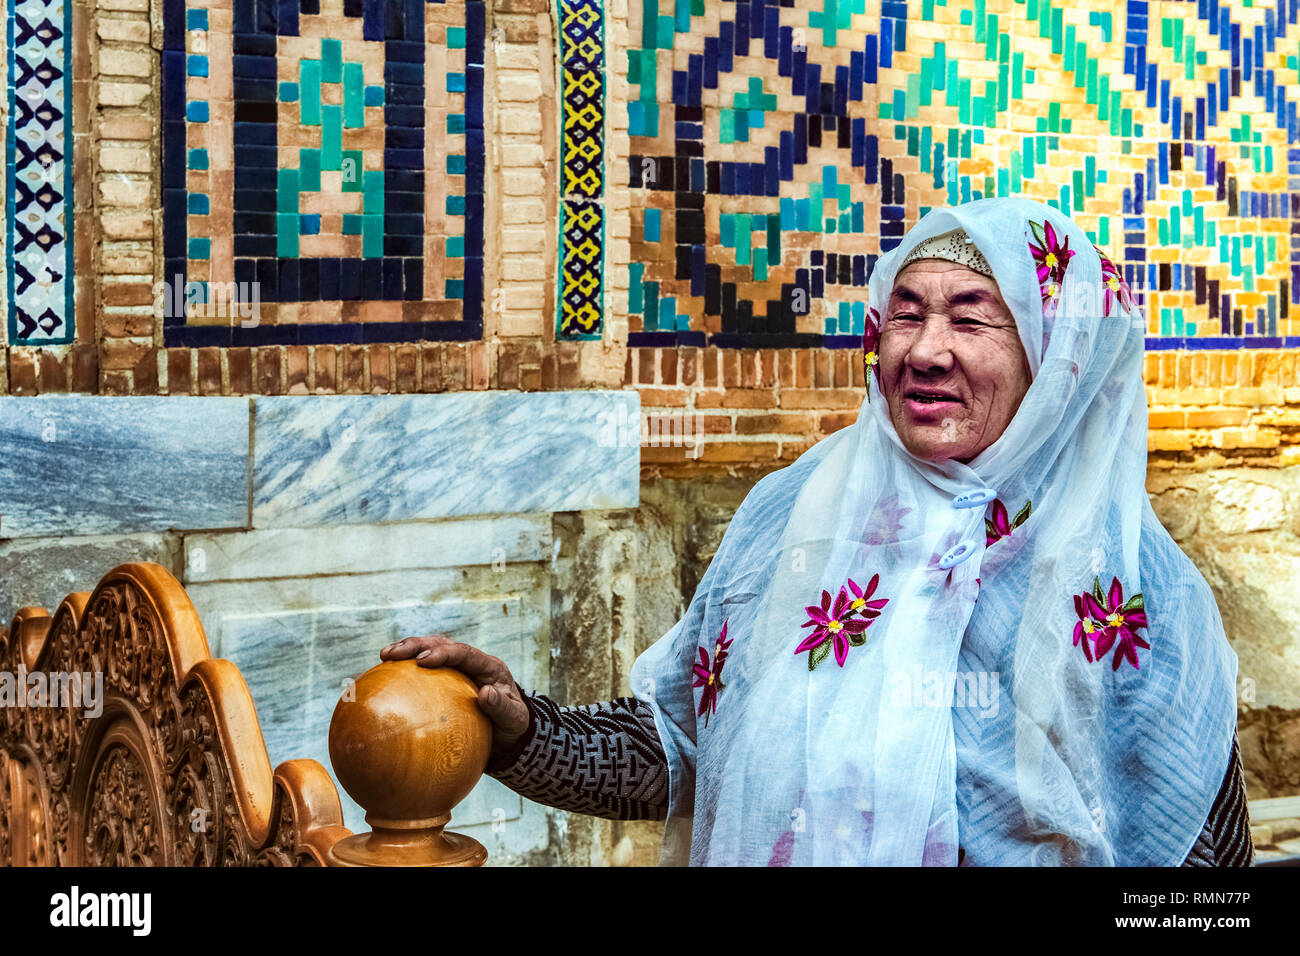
(966, 320)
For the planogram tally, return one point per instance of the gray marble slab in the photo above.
(326, 460)
(297, 664)
(300, 552)
(89, 465)
(41, 572)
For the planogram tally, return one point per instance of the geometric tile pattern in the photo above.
(778, 147)
(38, 181)
(324, 157)
(582, 169)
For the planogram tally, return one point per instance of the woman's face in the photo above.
(952, 368)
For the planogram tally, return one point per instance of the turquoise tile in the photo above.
(455, 82)
(288, 92)
(198, 159)
(196, 204)
(196, 19)
(196, 111)
(331, 60)
(331, 137)
(309, 224)
(651, 306)
(372, 236)
(309, 81)
(456, 123)
(373, 202)
(196, 65)
(455, 288)
(374, 96)
(351, 224)
(354, 107)
(635, 293)
(200, 248)
(309, 170)
(456, 247)
(652, 225)
(286, 234)
(456, 164)
(455, 205)
(455, 38)
(352, 167)
(667, 313)
(286, 193)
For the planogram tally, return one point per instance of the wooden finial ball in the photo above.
(411, 744)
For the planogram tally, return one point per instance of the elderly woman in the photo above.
(953, 633)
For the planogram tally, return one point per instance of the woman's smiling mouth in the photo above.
(925, 403)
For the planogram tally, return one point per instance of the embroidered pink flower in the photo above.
(871, 347)
(999, 526)
(1107, 620)
(840, 626)
(709, 676)
(1114, 284)
(1052, 255)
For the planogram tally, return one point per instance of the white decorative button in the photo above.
(973, 499)
(957, 554)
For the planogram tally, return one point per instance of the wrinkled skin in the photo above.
(947, 334)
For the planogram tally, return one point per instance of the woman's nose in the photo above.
(931, 347)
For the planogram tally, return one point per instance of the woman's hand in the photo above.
(498, 695)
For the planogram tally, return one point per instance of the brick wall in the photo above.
(763, 407)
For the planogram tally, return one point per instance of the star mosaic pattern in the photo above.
(325, 158)
(38, 148)
(778, 148)
(582, 171)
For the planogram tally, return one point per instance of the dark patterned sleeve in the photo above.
(604, 759)
(1225, 838)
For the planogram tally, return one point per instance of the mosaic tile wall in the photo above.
(582, 169)
(38, 160)
(330, 155)
(777, 148)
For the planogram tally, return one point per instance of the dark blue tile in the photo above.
(404, 137)
(254, 223)
(392, 277)
(251, 244)
(475, 31)
(405, 51)
(403, 159)
(255, 44)
(404, 180)
(255, 200)
(289, 291)
(287, 15)
(329, 279)
(350, 279)
(413, 279)
(404, 224)
(255, 134)
(255, 90)
(268, 279)
(253, 67)
(395, 115)
(308, 279)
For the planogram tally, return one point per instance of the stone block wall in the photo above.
(307, 539)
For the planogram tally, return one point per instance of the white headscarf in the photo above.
(1011, 695)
